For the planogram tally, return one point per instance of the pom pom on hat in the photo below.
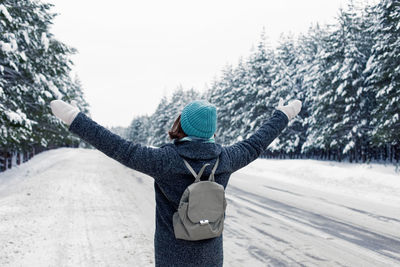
(199, 119)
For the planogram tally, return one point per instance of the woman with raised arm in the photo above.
(193, 141)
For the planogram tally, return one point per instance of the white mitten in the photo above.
(290, 110)
(64, 111)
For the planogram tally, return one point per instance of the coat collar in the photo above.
(198, 150)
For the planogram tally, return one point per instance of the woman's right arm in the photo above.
(148, 160)
(145, 159)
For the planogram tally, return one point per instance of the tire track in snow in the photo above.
(381, 249)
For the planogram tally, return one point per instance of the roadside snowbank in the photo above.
(373, 182)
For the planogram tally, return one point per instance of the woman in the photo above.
(192, 134)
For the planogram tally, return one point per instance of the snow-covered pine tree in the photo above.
(34, 69)
(328, 105)
(288, 85)
(237, 106)
(257, 88)
(311, 45)
(158, 123)
(16, 127)
(351, 101)
(383, 70)
(223, 96)
(138, 131)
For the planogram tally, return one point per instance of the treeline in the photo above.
(34, 69)
(347, 75)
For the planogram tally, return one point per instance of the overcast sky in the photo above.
(131, 53)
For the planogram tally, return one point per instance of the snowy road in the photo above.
(76, 207)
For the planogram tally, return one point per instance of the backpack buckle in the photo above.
(203, 222)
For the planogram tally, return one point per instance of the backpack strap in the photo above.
(197, 176)
(211, 178)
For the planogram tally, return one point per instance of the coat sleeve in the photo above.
(244, 152)
(148, 160)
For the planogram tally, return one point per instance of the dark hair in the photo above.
(176, 131)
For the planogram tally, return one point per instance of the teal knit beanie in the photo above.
(199, 119)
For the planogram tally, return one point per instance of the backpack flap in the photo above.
(206, 202)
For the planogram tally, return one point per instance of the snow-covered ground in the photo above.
(76, 207)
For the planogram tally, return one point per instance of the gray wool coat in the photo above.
(171, 177)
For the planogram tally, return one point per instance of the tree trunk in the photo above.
(3, 166)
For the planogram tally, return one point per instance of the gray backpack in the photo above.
(201, 210)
